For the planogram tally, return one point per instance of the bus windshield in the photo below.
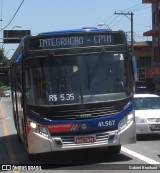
(77, 79)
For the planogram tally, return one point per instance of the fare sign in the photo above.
(75, 41)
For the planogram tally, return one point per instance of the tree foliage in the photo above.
(1, 54)
(4, 71)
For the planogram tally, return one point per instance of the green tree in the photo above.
(4, 70)
(1, 54)
(2, 58)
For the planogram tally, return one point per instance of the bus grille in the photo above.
(101, 138)
(84, 113)
(69, 140)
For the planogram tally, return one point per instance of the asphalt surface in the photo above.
(143, 156)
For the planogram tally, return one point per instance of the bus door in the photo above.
(13, 94)
(19, 104)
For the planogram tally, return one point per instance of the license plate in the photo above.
(155, 127)
(84, 139)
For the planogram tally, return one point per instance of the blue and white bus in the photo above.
(73, 90)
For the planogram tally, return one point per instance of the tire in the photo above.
(114, 149)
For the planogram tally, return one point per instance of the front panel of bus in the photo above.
(78, 98)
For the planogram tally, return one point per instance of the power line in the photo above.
(137, 7)
(113, 20)
(129, 8)
(117, 21)
(1, 9)
(109, 18)
(138, 35)
(142, 8)
(131, 18)
(116, 16)
(13, 16)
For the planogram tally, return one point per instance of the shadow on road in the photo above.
(76, 159)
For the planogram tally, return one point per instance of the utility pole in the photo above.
(131, 18)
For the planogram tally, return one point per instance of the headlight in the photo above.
(140, 120)
(125, 121)
(33, 125)
(39, 128)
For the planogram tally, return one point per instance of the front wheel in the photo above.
(114, 149)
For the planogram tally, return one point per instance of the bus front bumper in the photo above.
(40, 143)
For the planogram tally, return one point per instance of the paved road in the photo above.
(146, 152)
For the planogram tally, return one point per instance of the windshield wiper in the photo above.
(53, 58)
(60, 71)
(96, 65)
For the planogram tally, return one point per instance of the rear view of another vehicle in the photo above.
(147, 113)
(6, 94)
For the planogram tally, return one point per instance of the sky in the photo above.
(53, 15)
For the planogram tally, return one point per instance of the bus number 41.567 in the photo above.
(106, 123)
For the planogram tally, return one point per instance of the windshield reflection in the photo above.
(77, 79)
(147, 103)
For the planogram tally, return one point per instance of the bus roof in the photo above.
(85, 29)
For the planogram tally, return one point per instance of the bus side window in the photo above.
(18, 86)
(19, 76)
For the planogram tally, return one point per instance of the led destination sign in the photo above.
(51, 42)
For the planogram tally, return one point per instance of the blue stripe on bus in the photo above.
(18, 58)
(92, 124)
